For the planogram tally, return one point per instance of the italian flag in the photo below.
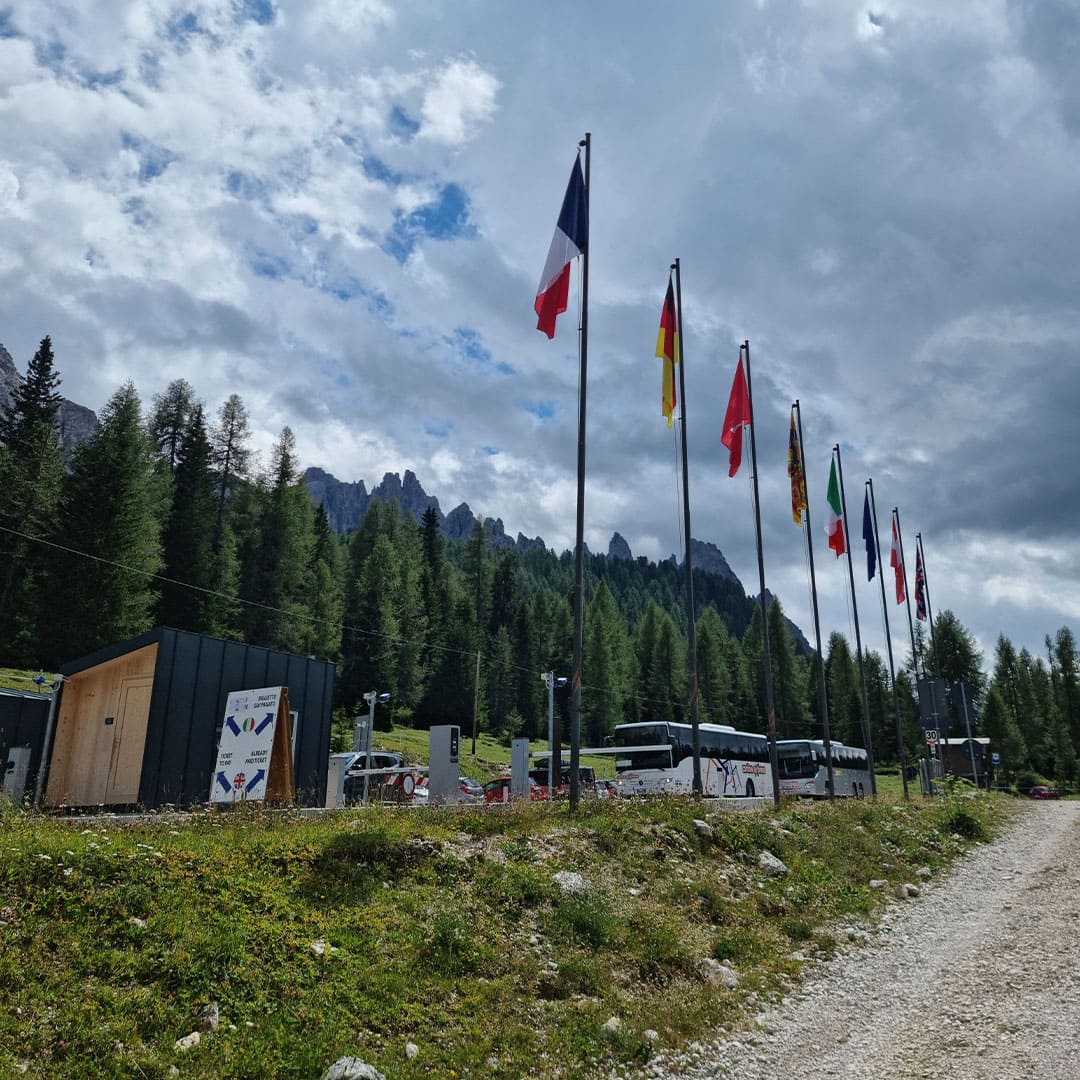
(834, 517)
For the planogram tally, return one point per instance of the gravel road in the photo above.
(978, 977)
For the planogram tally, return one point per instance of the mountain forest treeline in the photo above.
(162, 517)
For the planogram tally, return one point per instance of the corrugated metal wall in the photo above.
(22, 723)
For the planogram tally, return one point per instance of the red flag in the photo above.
(896, 561)
(736, 418)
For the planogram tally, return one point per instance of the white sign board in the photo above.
(247, 739)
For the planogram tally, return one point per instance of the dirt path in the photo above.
(977, 978)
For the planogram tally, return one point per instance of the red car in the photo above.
(499, 790)
(1041, 791)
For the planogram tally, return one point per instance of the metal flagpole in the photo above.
(769, 704)
(579, 550)
(888, 641)
(867, 736)
(691, 636)
(823, 696)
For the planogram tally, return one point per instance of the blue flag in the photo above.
(868, 536)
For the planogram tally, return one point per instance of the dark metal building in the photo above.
(137, 723)
(23, 715)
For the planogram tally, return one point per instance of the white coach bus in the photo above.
(658, 758)
(804, 770)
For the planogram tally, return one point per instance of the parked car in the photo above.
(498, 790)
(606, 789)
(384, 780)
(471, 790)
(1041, 791)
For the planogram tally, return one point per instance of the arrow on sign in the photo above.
(230, 723)
(253, 782)
(223, 780)
(269, 720)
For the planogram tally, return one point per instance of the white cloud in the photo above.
(461, 97)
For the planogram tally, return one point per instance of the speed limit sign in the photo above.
(931, 737)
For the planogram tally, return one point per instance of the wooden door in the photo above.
(129, 740)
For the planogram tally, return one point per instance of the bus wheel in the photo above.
(749, 789)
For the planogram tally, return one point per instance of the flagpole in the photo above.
(579, 549)
(867, 735)
(823, 695)
(888, 641)
(691, 636)
(769, 705)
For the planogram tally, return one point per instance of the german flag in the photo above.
(667, 348)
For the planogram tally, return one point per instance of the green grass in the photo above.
(446, 929)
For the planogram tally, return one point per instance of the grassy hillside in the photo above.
(359, 932)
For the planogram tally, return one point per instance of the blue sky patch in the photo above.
(153, 159)
(438, 430)
(491, 451)
(136, 208)
(264, 264)
(446, 217)
(542, 410)
(244, 186)
(261, 12)
(377, 169)
(50, 56)
(7, 24)
(402, 124)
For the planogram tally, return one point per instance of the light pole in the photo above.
(549, 680)
(371, 697)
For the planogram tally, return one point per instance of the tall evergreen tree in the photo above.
(603, 667)
(113, 506)
(278, 556)
(169, 420)
(842, 682)
(231, 458)
(327, 600)
(714, 674)
(187, 599)
(31, 481)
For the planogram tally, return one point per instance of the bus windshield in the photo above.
(633, 735)
(796, 761)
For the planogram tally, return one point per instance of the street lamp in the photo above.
(371, 697)
(549, 680)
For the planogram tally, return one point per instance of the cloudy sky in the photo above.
(339, 209)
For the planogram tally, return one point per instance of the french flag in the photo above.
(570, 240)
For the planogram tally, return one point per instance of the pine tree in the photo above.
(113, 504)
(327, 600)
(603, 667)
(714, 675)
(187, 601)
(31, 482)
(278, 556)
(231, 459)
(842, 682)
(169, 420)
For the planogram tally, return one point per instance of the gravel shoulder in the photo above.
(978, 977)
